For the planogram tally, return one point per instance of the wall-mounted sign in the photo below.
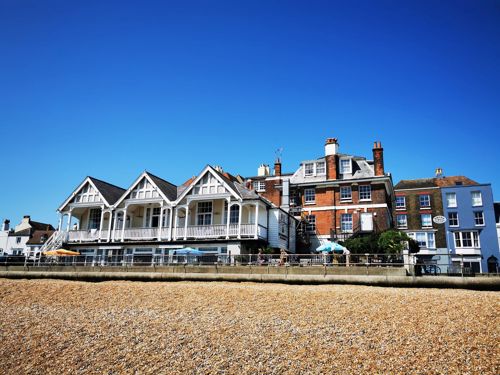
(439, 219)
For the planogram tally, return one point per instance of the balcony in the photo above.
(152, 234)
(220, 231)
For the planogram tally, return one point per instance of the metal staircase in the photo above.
(54, 242)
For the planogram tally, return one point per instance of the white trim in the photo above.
(72, 196)
(134, 184)
(348, 207)
(208, 168)
(204, 213)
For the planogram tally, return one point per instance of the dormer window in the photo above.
(320, 168)
(345, 166)
(308, 169)
(259, 185)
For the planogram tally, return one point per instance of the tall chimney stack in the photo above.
(378, 159)
(277, 167)
(5, 225)
(331, 151)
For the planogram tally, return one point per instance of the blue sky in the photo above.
(111, 88)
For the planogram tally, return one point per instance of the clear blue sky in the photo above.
(110, 88)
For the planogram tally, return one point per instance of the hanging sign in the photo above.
(439, 219)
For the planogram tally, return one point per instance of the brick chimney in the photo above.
(331, 151)
(277, 167)
(378, 159)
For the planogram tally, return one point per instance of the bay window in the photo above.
(466, 239)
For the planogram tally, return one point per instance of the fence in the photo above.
(290, 260)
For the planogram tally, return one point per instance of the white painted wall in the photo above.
(9, 244)
(275, 240)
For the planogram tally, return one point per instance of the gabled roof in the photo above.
(166, 190)
(231, 182)
(111, 193)
(243, 192)
(422, 183)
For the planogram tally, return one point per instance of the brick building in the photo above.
(336, 195)
(417, 205)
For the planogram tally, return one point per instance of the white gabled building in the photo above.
(214, 212)
(18, 241)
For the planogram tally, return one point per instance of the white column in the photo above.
(239, 220)
(124, 223)
(59, 226)
(256, 220)
(186, 221)
(101, 223)
(227, 217)
(176, 222)
(113, 238)
(170, 224)
(69, 221)
(109, 226)
(160, 226)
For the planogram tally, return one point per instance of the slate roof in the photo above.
(415, 184)
(423, 183)
(167, 188)
(35, 225)
(36, 238)
(110, 192)
(361, 168)
(239, 188)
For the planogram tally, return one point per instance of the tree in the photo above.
(393, 241)
(364, 244)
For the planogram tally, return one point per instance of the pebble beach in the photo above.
(120, 327)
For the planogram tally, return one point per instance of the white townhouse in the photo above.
(19, 240)
(213, 212)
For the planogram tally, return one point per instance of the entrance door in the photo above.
(366, 222)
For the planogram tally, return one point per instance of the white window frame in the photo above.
(347, 198)
(478, 201)
(346, 223)
(481, 217)
(450, 220)
(474, 238)
(430, 238)
(403, 207)
(368, 193)
(308, 193)
(306, 168)
(405, 224)
(420, 201)
(429, 222)
(259, 186)
(451, 202)
(322, 171)
(234, 213)
(198, 213)
(97, 218)
(402, 225)
(343, 169)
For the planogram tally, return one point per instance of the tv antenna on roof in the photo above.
(278, 153)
